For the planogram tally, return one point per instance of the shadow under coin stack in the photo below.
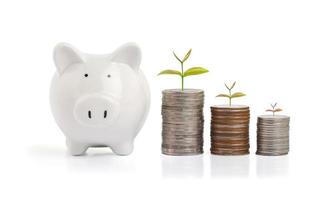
(182, 128)
(230, 130)
(273, 135)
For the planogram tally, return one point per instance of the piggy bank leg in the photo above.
(76, 149)
(123, 149)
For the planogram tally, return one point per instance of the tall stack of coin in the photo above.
(183, 122)
(230, 130)
(273, 135)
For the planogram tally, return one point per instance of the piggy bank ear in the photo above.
(129, 54)
(65, 55)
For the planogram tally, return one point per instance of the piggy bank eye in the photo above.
(109, 76)
(85, 75)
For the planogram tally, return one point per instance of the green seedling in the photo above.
(190, 72)
(230, 96)
(274, 109)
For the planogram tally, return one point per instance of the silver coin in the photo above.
(273, 135)
(183, 121)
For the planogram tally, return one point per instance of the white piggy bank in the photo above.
(99, 100)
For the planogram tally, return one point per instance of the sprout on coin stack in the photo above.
(182, 114)
(230, 126)
(231, 95)
(190, 72)
(274, 109)
(273, 133)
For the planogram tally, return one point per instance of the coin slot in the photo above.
(105, 113)
(89, 114)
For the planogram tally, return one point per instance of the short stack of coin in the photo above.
(183, 122)
(230, 130)
(273, 135)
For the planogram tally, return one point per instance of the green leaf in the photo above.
(278, 110)
(170, 72)
(177, 57)
(226, 86)
(233, 85)
(187, 55)
(195, 71)
(223, 95)
(273, 105)
(237, 94)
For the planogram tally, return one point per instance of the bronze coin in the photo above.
(230, 130)
(229, 152)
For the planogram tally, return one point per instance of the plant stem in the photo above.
(182, 65)
(230, 98)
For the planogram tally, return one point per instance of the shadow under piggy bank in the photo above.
(96, 160)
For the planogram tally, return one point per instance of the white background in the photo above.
(275, 50)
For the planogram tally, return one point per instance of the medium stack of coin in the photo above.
(273, 135)
(183, 122)
(230, 130)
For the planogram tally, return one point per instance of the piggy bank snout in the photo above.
(96, 110)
